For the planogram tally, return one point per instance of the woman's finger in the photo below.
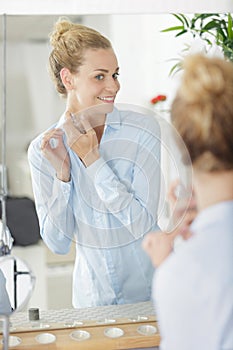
(70, 129)
(172, 191)
(86, 125)
(52, 134)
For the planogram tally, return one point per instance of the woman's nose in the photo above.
(113, 85)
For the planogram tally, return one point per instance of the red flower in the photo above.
(158, 98)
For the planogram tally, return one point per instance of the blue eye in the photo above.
(99, 77)
(115, 76)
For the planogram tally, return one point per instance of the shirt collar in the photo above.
(113, 119)
(211, 215)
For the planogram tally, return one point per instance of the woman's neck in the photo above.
(99, 132)
(212, 188)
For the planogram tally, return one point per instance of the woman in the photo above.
(193, 290)
(96, 173)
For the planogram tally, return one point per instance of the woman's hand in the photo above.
(182, 203)
(158, 245)
(82, 139)
(54, 150)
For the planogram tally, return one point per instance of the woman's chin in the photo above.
(105, 108)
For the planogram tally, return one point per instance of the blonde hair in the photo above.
(202, 112)
(69, 41)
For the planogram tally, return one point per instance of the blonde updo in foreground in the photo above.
(202, 112)
(69, 41)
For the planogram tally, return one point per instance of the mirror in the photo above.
(17, 283)
(33, 105)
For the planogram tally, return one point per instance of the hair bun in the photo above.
(202, 111)
(202, 81)
(60, 27)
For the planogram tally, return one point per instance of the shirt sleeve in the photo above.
(52, 200)
(134, 205)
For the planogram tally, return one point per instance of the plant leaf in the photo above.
(186, 20)
(182, 18)
(229, 27)
(211, 25)
(181, 33)
(172, 28)
(221, 33)
(176, 68)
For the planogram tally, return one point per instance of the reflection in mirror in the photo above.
(17, 281)
(97, 183)
(36, 106)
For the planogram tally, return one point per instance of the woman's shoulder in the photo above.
(34, 145)
(140, 118)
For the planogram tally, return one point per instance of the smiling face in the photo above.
(97, 80)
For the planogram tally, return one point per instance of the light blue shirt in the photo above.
(106, 208)
(193, 290)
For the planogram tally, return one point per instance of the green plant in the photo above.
(212, 28)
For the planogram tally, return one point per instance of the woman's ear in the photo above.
(67, 78)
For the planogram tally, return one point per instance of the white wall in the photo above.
(144, 53)
(32, 105)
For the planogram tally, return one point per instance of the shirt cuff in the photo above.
(61, 187)
(97, 169)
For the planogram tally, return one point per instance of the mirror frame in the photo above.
(95, 7)
(16, 272)
(69, 7)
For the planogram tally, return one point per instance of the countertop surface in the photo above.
(129, 326)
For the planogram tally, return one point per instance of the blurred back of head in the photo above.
(202, 112)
